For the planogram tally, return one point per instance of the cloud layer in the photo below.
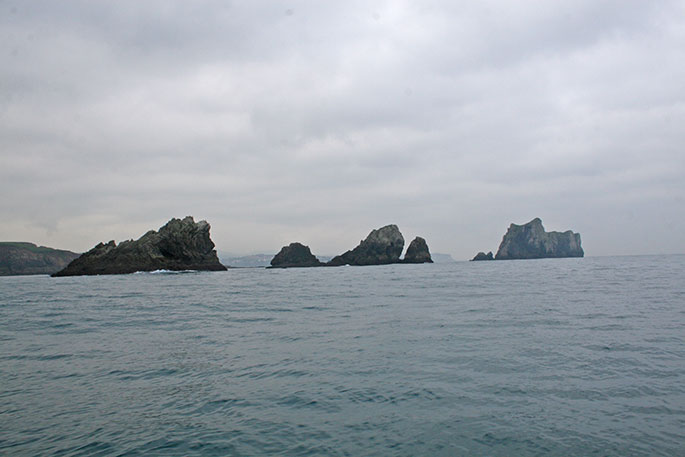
(303, 121)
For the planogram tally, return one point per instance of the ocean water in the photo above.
(537, 357)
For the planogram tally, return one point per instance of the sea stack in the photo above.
(530, 241)
(295, 255)
(181, 244)
(417, 252)
(483, 256)
(383, 246)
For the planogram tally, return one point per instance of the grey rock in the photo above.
(530, 241)
(417, 252)
(178, 245)
(483, 256)
(20, 258)
(295, 255)
(382, 246)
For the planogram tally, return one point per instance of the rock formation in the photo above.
(382, 246)
(295, 255)
(18, 258)
(417, 252)
(483, 256)
(530, 241)
(178, 245)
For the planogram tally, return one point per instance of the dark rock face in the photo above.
(417, 252)
(483, 256)
(18, 258)
(381, 247)
(178, 245)
(295, 255)
(530, 241)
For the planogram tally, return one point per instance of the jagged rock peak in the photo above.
(530, 241)
(294, 255)
(483, 256)
(417, 252)
(382, 246)
(181, 244)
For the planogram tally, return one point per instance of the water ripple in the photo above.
(549, 357)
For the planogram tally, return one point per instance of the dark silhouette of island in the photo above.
(483, 256)
(295, 255)
(382, 246)
(20, 258)
(181, 244)
(417, 252)
(530, 241)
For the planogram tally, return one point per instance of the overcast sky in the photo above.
(314, 121)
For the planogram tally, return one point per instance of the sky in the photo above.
(281, 121)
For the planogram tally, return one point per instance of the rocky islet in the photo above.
(181, 244)
(295, 255)
(483, 256)
(531, 241)
(382, 246)
(417, 252)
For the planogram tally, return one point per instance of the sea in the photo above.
(552, 357)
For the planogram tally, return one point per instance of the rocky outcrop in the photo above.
(178, 245)
(295, 255)
(483, 256)
(530, 241)
(382, 246)
(19, 258)
(417, 252)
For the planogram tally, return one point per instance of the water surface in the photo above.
(540, 357)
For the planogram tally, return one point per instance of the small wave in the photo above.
(165, 272)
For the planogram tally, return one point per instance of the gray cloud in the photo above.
(305, 121)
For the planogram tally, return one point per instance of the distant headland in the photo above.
(181, 244)
(530, 241)
(382, 246)
(20, 258)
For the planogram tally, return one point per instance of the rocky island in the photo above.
(181, 244)
(483, 256)
(417, 252)
(382, 246)
(530, 241)
(295, 255)
(20, 258)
